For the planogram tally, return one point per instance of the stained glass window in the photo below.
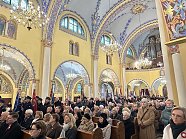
(105, 40)
(79, 88)
(16, 3)
(129, 52)
(71, 24)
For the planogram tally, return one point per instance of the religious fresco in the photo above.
(175, 17)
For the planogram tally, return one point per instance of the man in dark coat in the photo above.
(27, 105)
(47, 104)
(11, 129)
(40, 106)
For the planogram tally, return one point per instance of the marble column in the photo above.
(164, 48)
(179, 76)
(96, 89)
(124, 81)
(46, 68)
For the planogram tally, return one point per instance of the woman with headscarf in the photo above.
(104, 125)
(69, 130)
(176, 129)
(146, 119)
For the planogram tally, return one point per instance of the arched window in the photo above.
(16, 3)
(105, 40)
(109, 59)
(2, 25)
(71, 47)
(72, 25)
(79, 88)
(11, 30)
(76, 48)
(129, 52)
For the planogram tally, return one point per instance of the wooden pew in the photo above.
(96, 134)
(26, 135)
(117, 130)
(136, 127)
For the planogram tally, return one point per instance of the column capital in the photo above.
(123, 65)
(47, 43)
(95, 57)
(174, 49)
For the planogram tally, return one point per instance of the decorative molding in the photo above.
(53, 19)
(47, 43)
(174, 49)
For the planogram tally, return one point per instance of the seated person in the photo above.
(115, 115)
(129, 125)
(38, 130)
(38, 116)
(11, 130)
(69, 130)
(47, 118)
(3, 117)
(78, 118)
(26, 123)
(104, 125)
(54, 128)
(86, 124)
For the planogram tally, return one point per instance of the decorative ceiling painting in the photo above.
(175, 17)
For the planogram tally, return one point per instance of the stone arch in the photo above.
(19, 56)
(136, 33)
(74, 67)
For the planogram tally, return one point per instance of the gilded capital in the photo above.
(174, 49)
(47, 43)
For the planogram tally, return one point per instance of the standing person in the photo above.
(177, 127)
(38, 130)
(146, 119)
(104, 125)
(166, 113)
(46, 104)
(11, 130)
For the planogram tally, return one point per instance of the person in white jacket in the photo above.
(176, 129)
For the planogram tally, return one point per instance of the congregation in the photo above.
(64, 119)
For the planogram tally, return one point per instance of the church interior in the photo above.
(95, 48)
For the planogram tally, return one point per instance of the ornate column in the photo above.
(124, 80)
(164, 48)
(46, 68)
(179, 76)
(96, 89)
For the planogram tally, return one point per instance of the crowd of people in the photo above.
(63, 119)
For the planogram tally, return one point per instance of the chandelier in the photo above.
(71, 75)
(29, 16)
(4, 67)
(109, 49)
(143, 63)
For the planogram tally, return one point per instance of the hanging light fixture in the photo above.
(113, 46)
(4, 67)
(71, 75)
(29, 16)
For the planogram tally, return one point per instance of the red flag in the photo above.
(34, 102)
